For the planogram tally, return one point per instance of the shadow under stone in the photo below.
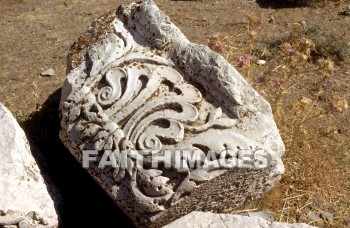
(82, 203)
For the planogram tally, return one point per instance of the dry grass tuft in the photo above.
(326, 45)
(311, 111)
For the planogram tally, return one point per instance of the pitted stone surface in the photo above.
(136, 83)
(211, 220)
(22, 188)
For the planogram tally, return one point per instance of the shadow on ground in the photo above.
(82, 203)
(280, 4)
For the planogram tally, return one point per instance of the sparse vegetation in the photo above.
(326, 45)
(299, 80)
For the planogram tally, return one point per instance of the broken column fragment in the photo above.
(163, 125)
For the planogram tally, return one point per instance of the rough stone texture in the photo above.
(22, 188)
(211, 220)
(136, 83)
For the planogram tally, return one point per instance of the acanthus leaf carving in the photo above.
(137, 107)
(127, 97)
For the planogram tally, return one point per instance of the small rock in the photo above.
(9, 226)
(66, 45)
(205, 18)
(261, 62)
(313, 216)
(30, 9)
(346, 11)
(271, 19)
(327, 216)
(49, 72)
(2, 213)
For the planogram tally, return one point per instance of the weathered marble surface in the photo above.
(211, 220)
(136, 83)
(24, 198)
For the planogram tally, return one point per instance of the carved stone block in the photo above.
(165, 126)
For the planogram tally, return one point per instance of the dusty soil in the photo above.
(36, 35)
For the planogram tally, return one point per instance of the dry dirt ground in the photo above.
(36, 35)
